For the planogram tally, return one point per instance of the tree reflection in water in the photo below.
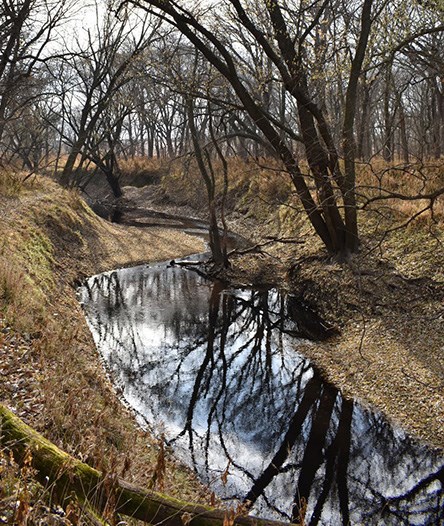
(217, 370)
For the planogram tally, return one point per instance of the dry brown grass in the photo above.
(141, 171)
(399, 187)
(255, 189)
(51, 373)
(266, 179)
(10, 183)
(16, 182)
(262, 191)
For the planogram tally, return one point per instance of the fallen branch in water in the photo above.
(183, 263)
(69, 476)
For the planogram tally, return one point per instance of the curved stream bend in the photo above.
(218, 373)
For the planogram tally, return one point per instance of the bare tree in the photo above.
(26, 29)
(284, 35)
(268, 48)
(90, 83)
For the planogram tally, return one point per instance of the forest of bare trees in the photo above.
(323, 87)
(302, 142)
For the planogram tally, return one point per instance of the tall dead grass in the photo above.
(47, 240)
(11, 183)
(26, 278)
(15, 182)
(14, 306)
(387, 193)
(400, 188)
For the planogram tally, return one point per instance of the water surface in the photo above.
(217, 371)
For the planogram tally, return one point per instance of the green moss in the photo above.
(70, 476)
(26, 277)
(37, 252)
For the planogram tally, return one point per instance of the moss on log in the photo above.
(68, 476)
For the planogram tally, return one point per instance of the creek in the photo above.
(216, 371)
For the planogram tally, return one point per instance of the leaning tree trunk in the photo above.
(110, 168)
(66, 177)
(114, 183)
(68, 476)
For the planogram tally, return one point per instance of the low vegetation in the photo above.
(51, 375)
(390, 197)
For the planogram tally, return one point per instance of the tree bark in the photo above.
(348, 139)
(69, 476)
(219, 255)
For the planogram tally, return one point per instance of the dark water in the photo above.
(218, 373)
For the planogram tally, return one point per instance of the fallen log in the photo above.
(68, 476)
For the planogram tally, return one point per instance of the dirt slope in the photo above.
(387, 302)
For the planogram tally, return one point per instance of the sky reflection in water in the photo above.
(217, 372)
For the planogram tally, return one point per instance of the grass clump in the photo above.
(14, 183)
(26, 277)
(11, 184)
(26, 273)
(38, 253)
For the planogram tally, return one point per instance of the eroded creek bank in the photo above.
(387, 302)
(220, 373)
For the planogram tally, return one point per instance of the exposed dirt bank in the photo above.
(50, 373)
(387, 303)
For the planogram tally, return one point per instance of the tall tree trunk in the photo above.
(348, 139)
(387, 148)
(403, 133)
(217, 251)
(436, 109)
(440, 100)
(319, 166)
(114, 183)
(363, 147)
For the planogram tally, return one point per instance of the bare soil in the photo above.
(388, 352)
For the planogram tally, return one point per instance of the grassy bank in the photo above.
(51, 375)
